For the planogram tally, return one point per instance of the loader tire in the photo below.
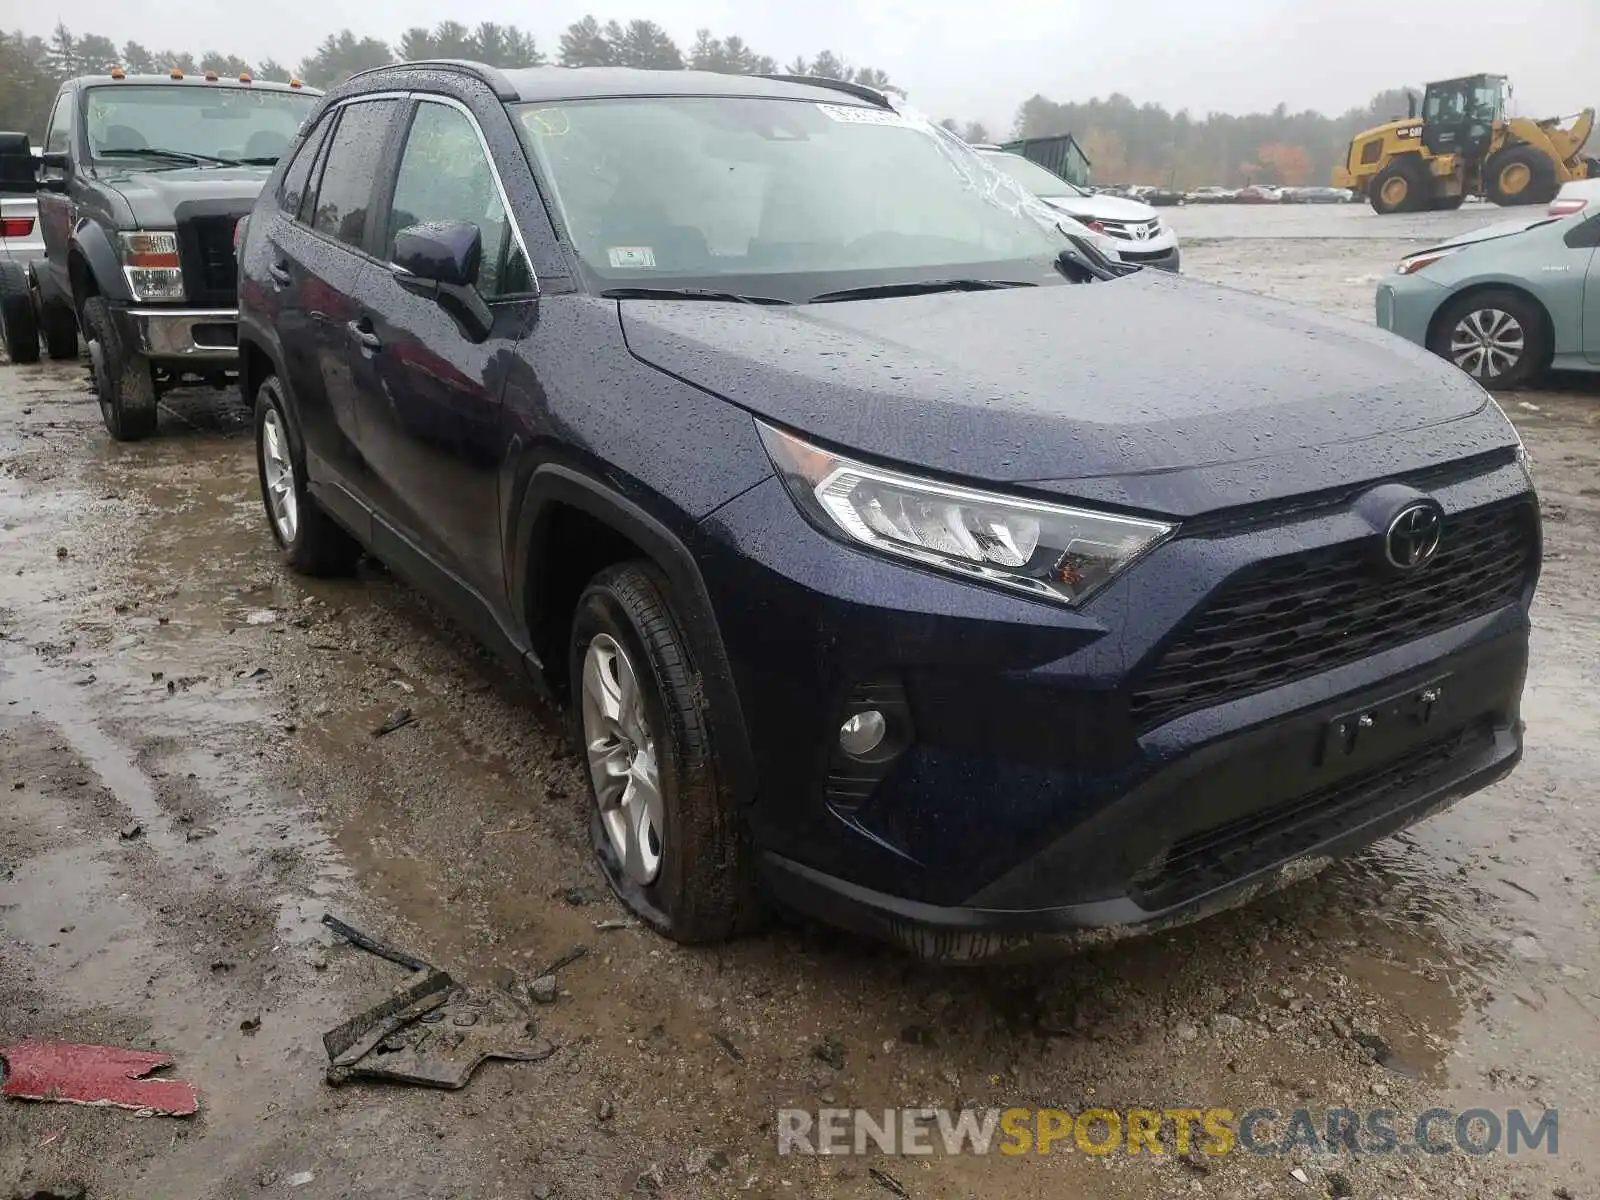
(1401, 187)
(1520, 175)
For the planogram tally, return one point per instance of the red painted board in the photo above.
(75, 1074)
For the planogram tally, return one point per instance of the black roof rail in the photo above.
(859, 90)
(498, 83)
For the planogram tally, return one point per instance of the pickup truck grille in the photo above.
(210, 270)
(1296, 616)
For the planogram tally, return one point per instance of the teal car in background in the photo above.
(1510, 301)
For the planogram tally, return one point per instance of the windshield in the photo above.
(1038, 180)
(210, 123)
(781, 198)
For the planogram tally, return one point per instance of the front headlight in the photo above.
(1415, 263)
(1049, 551)
(150, 263)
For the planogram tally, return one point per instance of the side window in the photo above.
(59, 139)
(355, 153)
(293, 187)
(444, 175)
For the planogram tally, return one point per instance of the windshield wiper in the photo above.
(179, 155)
(255, 160)
(918, 288)
(671, 293)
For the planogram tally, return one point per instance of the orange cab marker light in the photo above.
(176, 72)
(118, 73)
(244, 77)
(294, 83)
(211, 76)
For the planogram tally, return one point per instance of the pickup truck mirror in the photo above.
(440, 260)
(18, 169)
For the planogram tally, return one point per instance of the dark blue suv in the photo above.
(904, 559)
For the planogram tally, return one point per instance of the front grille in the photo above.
(210, 270)
(1215, 857)
(1296, 616)
(1129, 230)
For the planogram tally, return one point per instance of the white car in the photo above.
(1141, 236)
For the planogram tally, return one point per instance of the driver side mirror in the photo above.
(18, 172)
(440, 260)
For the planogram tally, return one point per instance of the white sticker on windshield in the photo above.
(632, 257)
(852, 114)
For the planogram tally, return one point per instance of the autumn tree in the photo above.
(1289, 165)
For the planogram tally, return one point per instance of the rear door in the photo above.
(430, 388)
(56, 209)
(1588, 234)
(317, 263)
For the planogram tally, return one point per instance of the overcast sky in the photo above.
(981, 58)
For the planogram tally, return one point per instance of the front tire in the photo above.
(122, 380)
(1520, 175)
(662, 824)
(1497, 337)
(19, 323)
(312, 542)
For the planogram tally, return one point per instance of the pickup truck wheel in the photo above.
(662, 825)
(122, 378)
(19, 324)
(60, 328)
(313, 543)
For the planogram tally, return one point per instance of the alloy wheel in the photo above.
(278, 469)
(1487, 343)
(622, 759)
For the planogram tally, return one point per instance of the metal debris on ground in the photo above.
(428, 1031)
(611, 923)
(887, 1182)
(398, 719)
(95, 1075)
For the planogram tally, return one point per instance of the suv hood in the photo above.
(1102, 208)
(1149, 391)
(154, 196)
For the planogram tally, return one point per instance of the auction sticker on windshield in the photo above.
(632, 257)
(850, 114)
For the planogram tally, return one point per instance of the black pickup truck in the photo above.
(141, 184)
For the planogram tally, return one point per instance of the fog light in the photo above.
(863, 733)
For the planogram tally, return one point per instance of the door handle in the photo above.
(279, 273)
(364, 335)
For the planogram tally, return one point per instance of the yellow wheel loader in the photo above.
(1464, 145)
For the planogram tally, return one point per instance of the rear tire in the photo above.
(19, 324)
(684, 865)
(1520, 175)
(60, 328)
(1496, 336)
(1401, 187)
(312, 542)
(122, 379)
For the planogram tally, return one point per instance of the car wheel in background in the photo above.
(1497, 337)
(18, 323)
(60, 328)
(122, 380)
(1401, 187)
(1520, 175)
(662, 825)
(313, 543)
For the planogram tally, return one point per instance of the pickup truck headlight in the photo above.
(1049, 551)
(150, 262)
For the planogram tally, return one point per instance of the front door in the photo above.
(57, 212)
(1591, 295)
(429, 388)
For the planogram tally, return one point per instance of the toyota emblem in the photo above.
(1413, 536)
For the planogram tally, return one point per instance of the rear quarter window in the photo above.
(293, 188)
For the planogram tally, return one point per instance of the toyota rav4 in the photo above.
(903, 561)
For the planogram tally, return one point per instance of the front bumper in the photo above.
(1139, 254)
(1034, 804)
(1405, 305)
(203, 337)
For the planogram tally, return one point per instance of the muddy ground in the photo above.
(159, 669)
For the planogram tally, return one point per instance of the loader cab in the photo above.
(1459, 115)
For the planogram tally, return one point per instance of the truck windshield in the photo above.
(797, 198)
(134, 123)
